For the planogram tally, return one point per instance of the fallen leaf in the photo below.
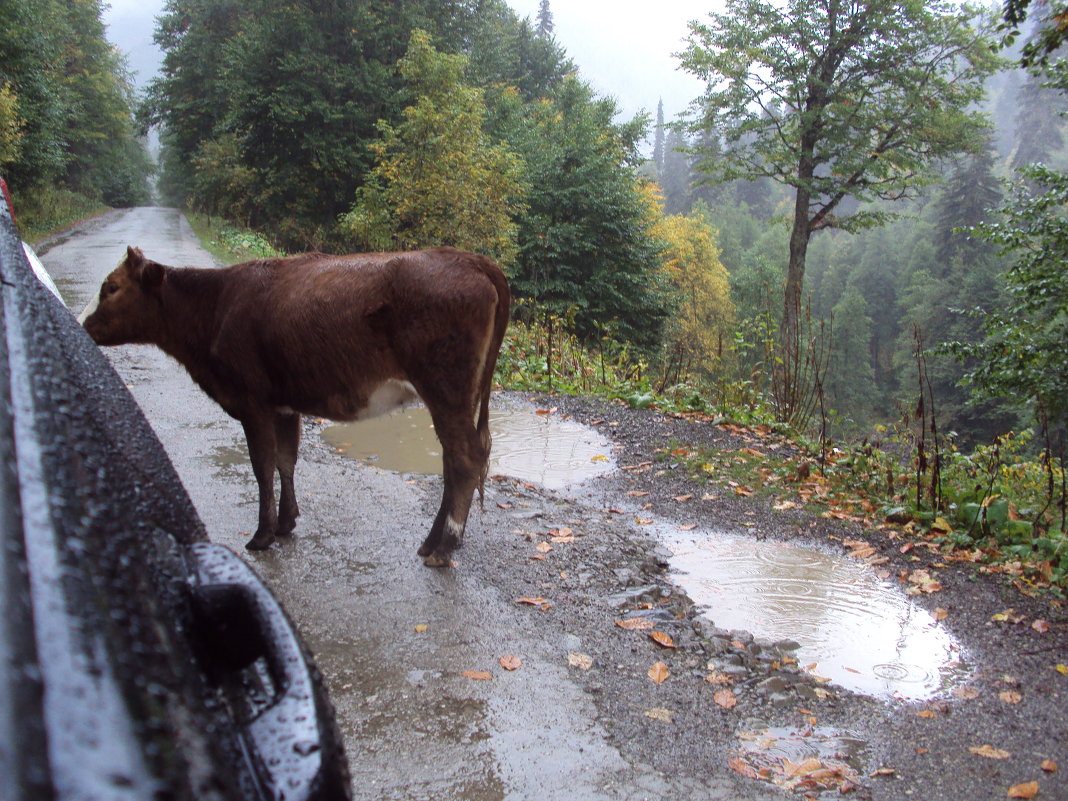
(989, 752)
(1049, 766)
(1008, 616)
(510, 662)
(1041, 626)
(581, 661)
(543, 547)
(966, 693)
(563, 531)
(637, 493)
(662, 639)
(782, 507)
(526, 599)
(715, 677)
(477, 675)
(687, 527)
(659, 714)
(658, 673)
(725, 698)
(599, 458)
(1010, 696)
(922, 581)
(636, 624)
(420, 628)
(504, 505)
(739, 765)
(1025, 790)
(883, 772)
(927, 713)
(746, 491)
(1062, 669)
(939, 613)
(682, 498)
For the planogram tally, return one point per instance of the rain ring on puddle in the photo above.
(857, 630)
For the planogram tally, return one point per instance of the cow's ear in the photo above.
(152, 275)
(135, 257)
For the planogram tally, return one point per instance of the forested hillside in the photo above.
(66, 107)
(801, 245)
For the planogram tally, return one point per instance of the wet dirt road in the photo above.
(597, 710)
(393, 637)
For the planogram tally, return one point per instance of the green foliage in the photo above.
(438, 179)
(584, 240)
(45, 210)
(73, 117)
(1023, 354)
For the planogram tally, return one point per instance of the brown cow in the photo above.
(342, 337)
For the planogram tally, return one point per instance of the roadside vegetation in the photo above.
(877, 276)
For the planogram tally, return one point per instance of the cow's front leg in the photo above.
(262, 450)
(287, 436)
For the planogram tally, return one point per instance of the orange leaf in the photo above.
(662, 639)
(683, 498)
(637, 493)
(420, 628)
(1041, 626)
(1025, 790)
(510, 662)
(989, 752)
(477, 675)
(1010, 696)
(1049, 765)
(927, 713)
(543, 547)
(725, 698)
(939, 613)
(658, 673)
(687, 527)
(739, 765)
(636, 624)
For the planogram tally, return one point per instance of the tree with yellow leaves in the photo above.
(697, 339)
(438, 179)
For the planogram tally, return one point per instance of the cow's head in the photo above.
(127, 309)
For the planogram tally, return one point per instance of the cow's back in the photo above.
(320, 333)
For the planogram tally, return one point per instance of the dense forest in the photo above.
(827, 234)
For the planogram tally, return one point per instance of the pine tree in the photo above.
(545, 20)
(658, 142)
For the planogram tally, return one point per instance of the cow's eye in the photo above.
(110, 288)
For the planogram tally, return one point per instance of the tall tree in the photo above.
(658, 142)
(837, 100)
(584, 239)
(438, 179)
(545, 20)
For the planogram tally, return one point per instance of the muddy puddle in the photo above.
(855, 629)
(543, 449)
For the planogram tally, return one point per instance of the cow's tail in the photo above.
(500, 323)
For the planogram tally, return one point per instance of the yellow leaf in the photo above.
(1062, 669)
(420, 628)
(658, 673)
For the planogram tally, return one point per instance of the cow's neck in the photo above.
(189, 298)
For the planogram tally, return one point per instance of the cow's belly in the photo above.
(390, 395)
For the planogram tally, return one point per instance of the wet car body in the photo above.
(137, 660)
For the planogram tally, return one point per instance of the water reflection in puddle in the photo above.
(861, 632)
(542, 449)
(811, 758)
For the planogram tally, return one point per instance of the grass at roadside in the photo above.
(228, 243)
(47, 210)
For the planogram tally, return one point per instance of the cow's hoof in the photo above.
(437, 560)
(261, 542)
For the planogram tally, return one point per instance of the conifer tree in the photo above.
(545, 20)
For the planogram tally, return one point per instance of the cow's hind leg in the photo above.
(463, 456)
(262, 450)
(287, 435)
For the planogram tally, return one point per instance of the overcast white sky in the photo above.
(622, 47)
